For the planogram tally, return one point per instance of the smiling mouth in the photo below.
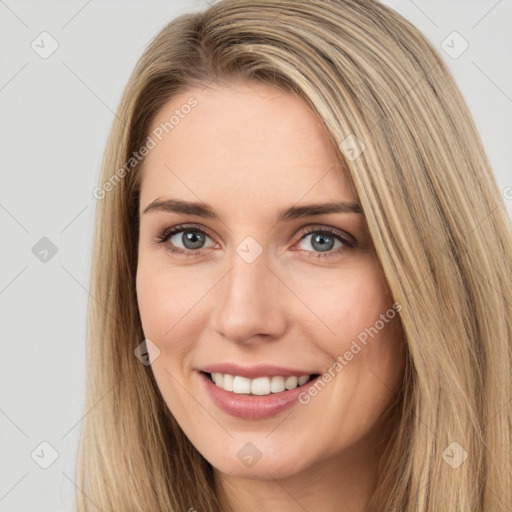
(259, 386)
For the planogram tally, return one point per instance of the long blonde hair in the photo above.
(433, 209)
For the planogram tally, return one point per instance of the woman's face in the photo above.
(261, 288)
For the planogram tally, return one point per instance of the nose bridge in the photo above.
(246, 303)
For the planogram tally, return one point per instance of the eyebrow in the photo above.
(286, 214)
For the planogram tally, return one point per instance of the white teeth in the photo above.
(218, 378)
(227, 383)
(258, 386)
(303, 379)
(277, 384)
(241, 385)
(290, 382)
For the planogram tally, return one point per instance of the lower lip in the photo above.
(252, 407)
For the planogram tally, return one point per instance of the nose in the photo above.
(247, 304)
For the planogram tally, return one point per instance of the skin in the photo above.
(248, 150)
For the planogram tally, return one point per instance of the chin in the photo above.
(268, 467)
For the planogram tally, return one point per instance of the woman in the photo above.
(301, 275)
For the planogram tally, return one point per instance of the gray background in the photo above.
(54, 121)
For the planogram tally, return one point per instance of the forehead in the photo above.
(248, 142)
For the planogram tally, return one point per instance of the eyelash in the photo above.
(168, 233)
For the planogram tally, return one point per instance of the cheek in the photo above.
(350, 301)
(167, 302)
(166, 305)
(365, 346)
(376, 325)
(364, 329)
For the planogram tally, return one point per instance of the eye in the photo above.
(192, 239)
(324, 240)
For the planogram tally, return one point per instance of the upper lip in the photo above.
(254, 371)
